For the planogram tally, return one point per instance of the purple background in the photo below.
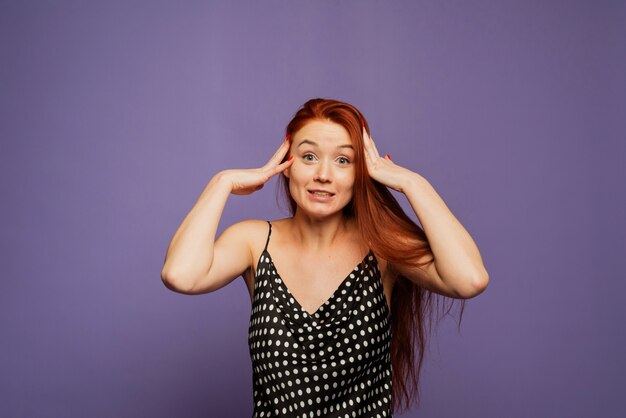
(115, 115)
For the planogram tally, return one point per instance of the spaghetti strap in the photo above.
(268, 236)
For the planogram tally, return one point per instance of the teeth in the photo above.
(321, 194)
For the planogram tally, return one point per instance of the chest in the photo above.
(312, 280)
(340, 350)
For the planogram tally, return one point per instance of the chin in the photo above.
(324, 212)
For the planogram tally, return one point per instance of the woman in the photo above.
(320, 328)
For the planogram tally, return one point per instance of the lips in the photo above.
(321, 193)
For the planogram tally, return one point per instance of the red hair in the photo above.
(391, 235)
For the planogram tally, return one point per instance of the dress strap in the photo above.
(268, 236)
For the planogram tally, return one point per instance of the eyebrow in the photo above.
(308, 141)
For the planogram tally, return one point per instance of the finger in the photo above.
(283, 166)
(373, 144)
(369, 143)
(275, 169)
(370, 150)
(281, 151)
(279, 155)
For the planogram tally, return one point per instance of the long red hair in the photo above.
(391, 235)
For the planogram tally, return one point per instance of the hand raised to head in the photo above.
(382, 169)
(247, 181)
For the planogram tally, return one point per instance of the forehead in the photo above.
(322, 131)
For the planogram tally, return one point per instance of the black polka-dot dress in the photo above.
(335, 362)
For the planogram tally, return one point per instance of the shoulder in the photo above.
(249, 236)
(249, 225)
(249, 231)
(279, 224)
(255, 224)
(254, 232)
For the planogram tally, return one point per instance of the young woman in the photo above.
(341, 289)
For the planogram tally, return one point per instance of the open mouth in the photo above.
(321, 193)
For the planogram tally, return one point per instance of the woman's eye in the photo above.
(308, 157)
(343, 160)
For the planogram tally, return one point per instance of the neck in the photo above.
(319, 234)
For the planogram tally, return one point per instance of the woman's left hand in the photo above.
(382, 169)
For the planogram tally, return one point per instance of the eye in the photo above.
(308, 157)
(343, 160)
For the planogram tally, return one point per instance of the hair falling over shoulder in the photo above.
(393, 236)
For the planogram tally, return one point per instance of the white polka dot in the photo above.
(345, 362)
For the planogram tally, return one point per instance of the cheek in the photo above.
(293, 171)
(301, 172)
(348, 178)
(297, 177)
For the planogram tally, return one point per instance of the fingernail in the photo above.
(290, 158)
(363, 122)
(388, 157)
(287, 137)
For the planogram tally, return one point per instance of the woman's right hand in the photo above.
(247, 181)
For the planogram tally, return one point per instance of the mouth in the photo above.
(321, 193)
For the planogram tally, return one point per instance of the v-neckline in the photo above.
(328, 299)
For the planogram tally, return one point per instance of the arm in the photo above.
(457, 266)
(194, 261)
(458, 270)
(189, 257)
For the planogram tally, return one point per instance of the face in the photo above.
(322, 174)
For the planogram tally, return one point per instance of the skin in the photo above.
(315, 249)
(323, 160)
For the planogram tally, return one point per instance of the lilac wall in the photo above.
(114, 115)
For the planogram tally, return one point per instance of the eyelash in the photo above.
(347, 161)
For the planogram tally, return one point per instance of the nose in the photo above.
(323, 173)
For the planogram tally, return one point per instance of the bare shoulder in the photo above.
(255, 233)
(248, 226)
(249, 231)
(278, 224)
(232, 256)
